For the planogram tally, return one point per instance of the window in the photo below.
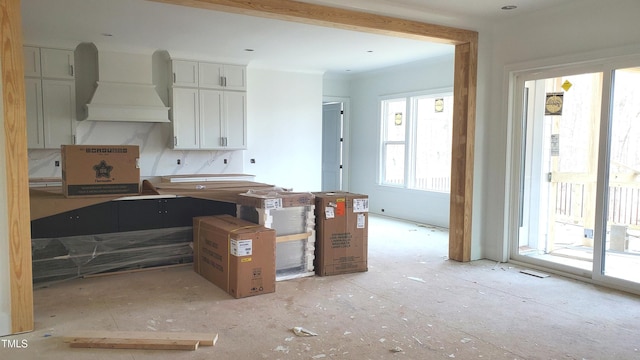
(416, 141)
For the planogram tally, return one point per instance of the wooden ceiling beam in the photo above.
(344, 19)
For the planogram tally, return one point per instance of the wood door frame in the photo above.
(17, 167)
(464, 88)
(14, 119)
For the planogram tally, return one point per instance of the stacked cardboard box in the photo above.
(96, 170)
(342, 233)
(236, 255)
(292, 216)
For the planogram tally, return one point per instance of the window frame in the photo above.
(410, 141)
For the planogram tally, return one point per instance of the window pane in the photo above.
(394, 164)
(395, 119)
(433, 143)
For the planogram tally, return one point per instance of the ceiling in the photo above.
(139, 25)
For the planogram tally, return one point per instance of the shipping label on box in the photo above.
(94, 170)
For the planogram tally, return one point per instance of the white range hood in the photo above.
(124, 90)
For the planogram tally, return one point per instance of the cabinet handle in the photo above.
(74, 139)
(174, 78)
(175, 141)
(225, 81)
(71, 69)
(221, 141)
(225, 141)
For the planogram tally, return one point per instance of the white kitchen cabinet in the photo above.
(185, 112)
(222, 76)
(234, 119)
(50, 101)
(208, 119)
(184, 73)
(31, 61)
(57, 64)
(35, 120)
(59, 108)
(208, 105)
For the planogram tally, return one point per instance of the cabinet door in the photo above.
(210, 119)
(186, 118)
(185, 73)
(141, 214)
(31, 61)
(235, 77)
(59, 106)
(57, 64)
(211, 75)
(35, 121)
(235, 115)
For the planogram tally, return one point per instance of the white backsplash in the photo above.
(156, 157)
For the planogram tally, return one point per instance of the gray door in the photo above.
(332, 146)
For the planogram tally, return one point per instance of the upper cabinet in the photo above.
(50, 97)
(185, 73)
(57, 64)
(31, 61)
(208, 106)
(208, 75)
(222, 76)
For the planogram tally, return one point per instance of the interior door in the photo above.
(332, 140)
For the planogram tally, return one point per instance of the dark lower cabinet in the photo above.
(128, 215)
(95, 219)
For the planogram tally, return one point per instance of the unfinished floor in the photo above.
(412, 300)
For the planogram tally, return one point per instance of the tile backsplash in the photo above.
(156, 156)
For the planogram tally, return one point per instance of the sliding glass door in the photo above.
(575, 194)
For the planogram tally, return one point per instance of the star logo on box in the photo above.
(103, 170)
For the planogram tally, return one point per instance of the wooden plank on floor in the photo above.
(144, 344)
(204, 339)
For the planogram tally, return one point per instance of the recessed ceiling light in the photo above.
(249, 50)
(369, 51)
(107, 34)
(509, 7)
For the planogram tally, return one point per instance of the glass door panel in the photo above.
(561, 133)
(622, 246)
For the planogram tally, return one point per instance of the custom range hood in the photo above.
(121, 84)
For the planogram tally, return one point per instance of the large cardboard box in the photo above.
(270, 199)
(96, 170)
(342, 233)
(234, 254)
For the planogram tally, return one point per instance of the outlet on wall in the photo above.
(56, 163)
(178, 162)
(225, 161)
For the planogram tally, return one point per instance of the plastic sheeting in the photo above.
(65, 258)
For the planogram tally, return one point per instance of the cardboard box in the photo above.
(342, 233)
(273, 199)
(234, 254)
(95, 170)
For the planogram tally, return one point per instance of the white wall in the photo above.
(5, 265)
(285, 128)
(365, 92)
(578, 31)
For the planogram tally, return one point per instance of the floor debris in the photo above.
(300, 331)
(396, 349)
(416, 279)
(534, 273)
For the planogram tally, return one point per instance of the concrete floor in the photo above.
(412, 299)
